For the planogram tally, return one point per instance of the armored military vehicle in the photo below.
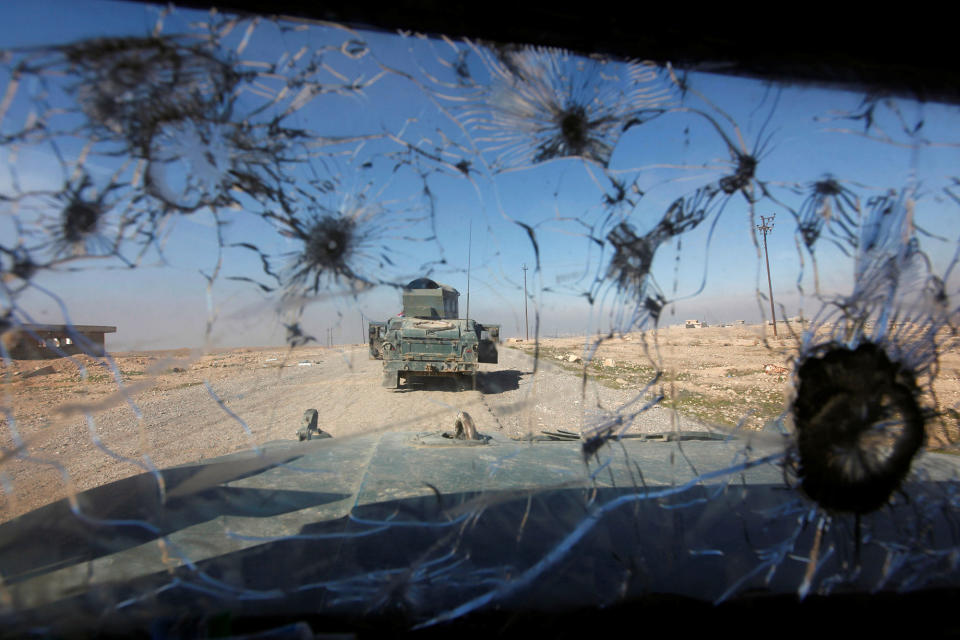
(430, 339)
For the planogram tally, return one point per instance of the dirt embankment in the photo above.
(733, 376)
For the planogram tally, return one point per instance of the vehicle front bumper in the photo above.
(429, 367)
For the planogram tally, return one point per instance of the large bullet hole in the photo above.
(858, 425)
(572, 134)
(329, 243)
(573, 128)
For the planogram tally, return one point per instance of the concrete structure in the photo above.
(32, 341)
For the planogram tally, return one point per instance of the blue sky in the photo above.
(165, 303)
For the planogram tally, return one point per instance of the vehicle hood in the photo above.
(421, 328)
(431, 528)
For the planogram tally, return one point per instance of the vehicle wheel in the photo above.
(391, 379)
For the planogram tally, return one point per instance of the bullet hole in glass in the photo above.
(632, 258)
(329, 245)
(859, 426)
(132, 87)
(746, 168)
(80, 219)
(829, 205)
(573, 129)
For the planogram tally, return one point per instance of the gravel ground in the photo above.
(180, 409)
(555, 398)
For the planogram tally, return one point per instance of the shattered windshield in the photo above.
(218, 232)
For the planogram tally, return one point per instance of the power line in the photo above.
(764, 228)
(526, 318)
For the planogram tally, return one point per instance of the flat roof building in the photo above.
(32, 341)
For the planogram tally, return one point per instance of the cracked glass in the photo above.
(315, 322)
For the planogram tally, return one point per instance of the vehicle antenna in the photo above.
(469, 252)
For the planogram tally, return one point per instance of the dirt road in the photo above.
(175, 409)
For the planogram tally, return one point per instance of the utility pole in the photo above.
(765, 228)
(526, 319)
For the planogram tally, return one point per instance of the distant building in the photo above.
(33, 341)
(693, 324)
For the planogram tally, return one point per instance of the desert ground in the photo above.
(74, 423)
(732, 375)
